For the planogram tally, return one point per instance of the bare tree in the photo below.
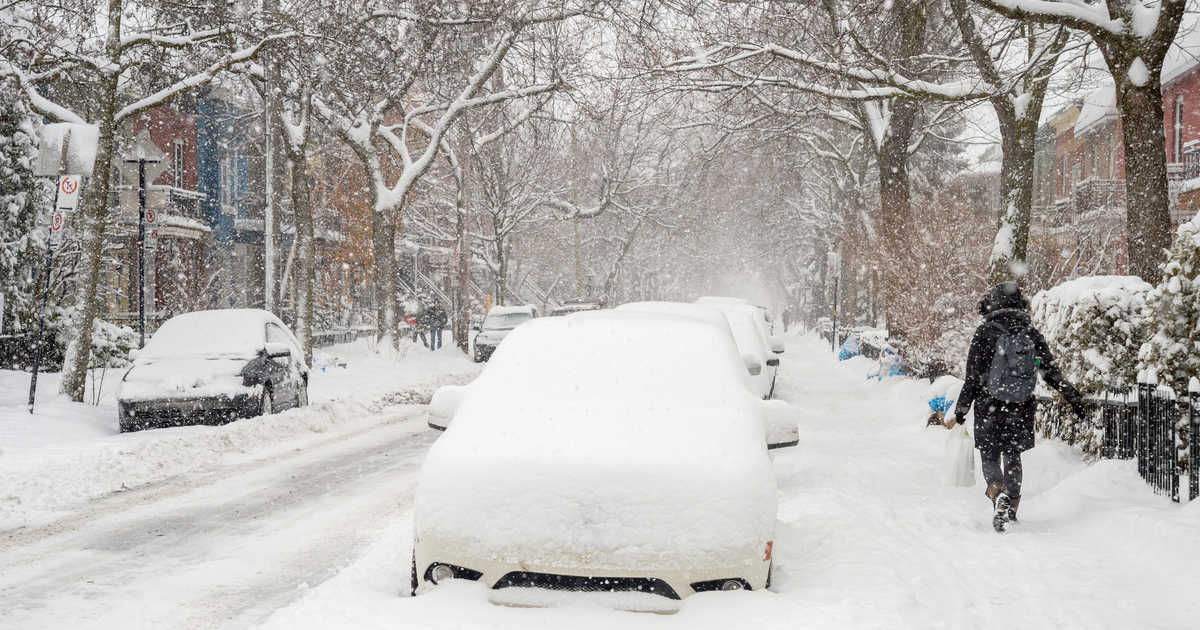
(1134, 37)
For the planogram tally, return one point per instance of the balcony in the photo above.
(1097, 194)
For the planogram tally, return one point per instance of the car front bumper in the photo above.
(522, 583)
(484, 351)
(136, 415)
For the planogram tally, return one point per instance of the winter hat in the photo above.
(1002, 296)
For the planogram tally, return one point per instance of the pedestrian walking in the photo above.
(417, 322)
(1006, 355)
(435, 321)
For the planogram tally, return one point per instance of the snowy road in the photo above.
(868, 537)
(228, 547)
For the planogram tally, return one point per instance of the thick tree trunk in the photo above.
(896, 232)
(1011, 246)
(1147, 203)
(305, 253)
(91, 228)
(383, 245)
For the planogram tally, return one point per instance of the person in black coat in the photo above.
(1004, 429)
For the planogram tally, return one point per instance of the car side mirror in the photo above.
(753, 365)
(276, 350)
(782, 428)
(445, 402)
(773, 362)
(777, 345)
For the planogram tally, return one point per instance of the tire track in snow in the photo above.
(225, 549)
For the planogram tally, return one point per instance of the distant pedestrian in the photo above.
(417, 321)
(1005, 357)
(435, 320)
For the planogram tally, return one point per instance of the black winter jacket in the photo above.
(1001, 425)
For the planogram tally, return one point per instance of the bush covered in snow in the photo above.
(1172, 349)
(1094, 326)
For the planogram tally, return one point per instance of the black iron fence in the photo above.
(1152, 425)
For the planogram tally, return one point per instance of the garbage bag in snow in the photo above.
(941, 404)
(959, 458)
(850, 348)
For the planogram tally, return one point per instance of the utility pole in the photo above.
(578, 262)
(268, 8)
(54, 240)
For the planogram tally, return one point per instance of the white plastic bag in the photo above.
(959, 458)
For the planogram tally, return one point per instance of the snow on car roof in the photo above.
(605, 430)
(506, 310)
(234, 331)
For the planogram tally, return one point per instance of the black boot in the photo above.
(1000, 516)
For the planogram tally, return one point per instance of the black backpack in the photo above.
(1013, 374)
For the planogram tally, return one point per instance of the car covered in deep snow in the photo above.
(753, 340)
(606, 451)
(499, 322)
(211, 367)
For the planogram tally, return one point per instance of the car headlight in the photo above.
(724, 584)
(439, 572)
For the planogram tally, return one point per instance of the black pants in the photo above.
(1003, 466)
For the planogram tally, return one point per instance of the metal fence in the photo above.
(1152, 425)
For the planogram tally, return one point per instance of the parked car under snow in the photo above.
(212, 367)
(610, 452)
(499, 322)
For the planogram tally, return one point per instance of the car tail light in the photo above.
(767, 551)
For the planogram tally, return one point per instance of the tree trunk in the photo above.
(383, 245)
(305, 268)
(1147, 204)
(91, 229)
(895, 215)
(1011, 246)
(462, 298)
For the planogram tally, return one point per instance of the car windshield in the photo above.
(505, 321)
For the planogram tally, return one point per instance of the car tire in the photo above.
(268, 402)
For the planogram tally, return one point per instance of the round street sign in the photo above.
(70, 185)
(150, 216)
(58, 221)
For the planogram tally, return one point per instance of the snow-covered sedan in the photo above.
(211, 367)
(610, 452)
(499, 322)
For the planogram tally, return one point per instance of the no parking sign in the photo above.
(68, 192)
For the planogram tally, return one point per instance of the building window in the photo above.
(1179, 129)
(177, 164)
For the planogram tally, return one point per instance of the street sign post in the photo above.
(150, 163)
(56, 158)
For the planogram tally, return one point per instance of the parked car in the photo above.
(575, 306)
(610, 452)
(499, 322)
(212, 367)
(714, 317)
(753, 340)
(766, 313)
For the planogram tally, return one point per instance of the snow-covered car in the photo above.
(499, 322)
(576, 305)
(753, 342)
(766, 313)
(211, 367)
(709, 314)
(610, 452)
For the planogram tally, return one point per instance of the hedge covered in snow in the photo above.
(1094, 326)
(1172, 349)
